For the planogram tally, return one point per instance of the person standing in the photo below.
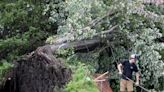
(126, 69)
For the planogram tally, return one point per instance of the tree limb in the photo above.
(76, 44)
(107, 31)
(60, 41)
(91, 24)
(97, 20)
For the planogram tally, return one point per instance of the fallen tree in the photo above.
(42, 71)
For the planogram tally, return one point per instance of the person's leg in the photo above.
(122, 85)
(130, 86)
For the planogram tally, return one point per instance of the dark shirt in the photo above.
(128, 69)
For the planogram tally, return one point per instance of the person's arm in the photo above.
(137, 78)
(137, 75)
(119, 66)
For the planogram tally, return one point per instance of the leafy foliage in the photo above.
(25, 25)
(81, 13)
(82, 80)
(4, 67)
(139, 25)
